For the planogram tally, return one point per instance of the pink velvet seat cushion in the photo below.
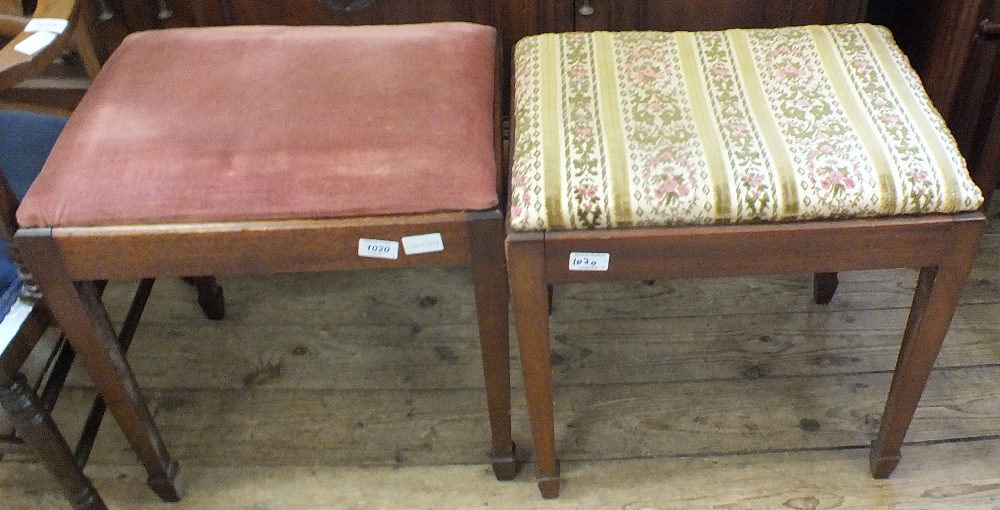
(250, 123)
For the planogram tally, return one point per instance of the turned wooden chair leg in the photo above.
(934, 302)
(35, 425)
(824, 287)
(527, 284)
(210, 296)
(489, 277)
(79, 312)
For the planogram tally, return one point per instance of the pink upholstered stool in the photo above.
(273, 149)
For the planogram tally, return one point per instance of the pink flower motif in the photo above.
(832, 179)
(652, 73)
(516, 211)
(663, 157)
(918, 175)
(892, 121)
(789, 69)
(737, 126)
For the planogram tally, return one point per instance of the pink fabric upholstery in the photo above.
(246, 123)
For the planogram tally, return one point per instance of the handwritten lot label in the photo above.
(425, 243)
(378, 248)
(34, 43)
(54, 25)
(581, 261)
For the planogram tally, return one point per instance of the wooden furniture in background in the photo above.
(28, 320)
(22, 351)
(955, 47)
(673, 15)
(53, 86)
(26, 140)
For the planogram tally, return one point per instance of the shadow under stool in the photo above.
(650, 155)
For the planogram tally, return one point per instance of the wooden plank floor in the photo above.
(363, 391)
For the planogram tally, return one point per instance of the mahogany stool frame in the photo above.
(942, 246)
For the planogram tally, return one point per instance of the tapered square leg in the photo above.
(881, 465)
(935, 299)
(529, 295)
(824, 287)
(489, 276)
(79, 312)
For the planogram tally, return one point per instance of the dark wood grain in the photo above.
(526, 263)
(78, 310)
(707, 251)
(675, 15)
(292, 246)
(945, 247)
(310, 12)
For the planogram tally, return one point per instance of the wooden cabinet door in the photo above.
(955, 47)
(112, 20)
(357, 12)
(975, 111)
(671, 15)
(117, 18)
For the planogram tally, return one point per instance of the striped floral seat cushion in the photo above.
(657, 129)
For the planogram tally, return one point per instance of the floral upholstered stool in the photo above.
(645, 155)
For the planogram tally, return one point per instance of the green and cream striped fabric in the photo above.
(655, 129)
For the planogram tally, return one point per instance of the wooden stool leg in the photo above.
(78, 310)
(550, 292)
(824, 286)
(210, 296)
(35, 425)
(529, 295)
(489, 277)
(934, 302)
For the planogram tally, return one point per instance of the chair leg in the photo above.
(529, 296)
(824, 286)
(79, 312)
(210, 296)
(550, 292)
(489, 277)
(934, 303)
(40, 433)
